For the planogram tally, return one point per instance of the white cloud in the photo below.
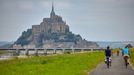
(113, 3)
(45, 4)
(57, 4)
(25, 5)
(65, 5)
(17, 5)
(81, 15)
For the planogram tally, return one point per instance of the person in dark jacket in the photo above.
(108, 54)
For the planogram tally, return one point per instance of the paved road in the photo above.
(117, 68)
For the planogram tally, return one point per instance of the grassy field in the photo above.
(2, 51)
(132, 56)
(67, 64)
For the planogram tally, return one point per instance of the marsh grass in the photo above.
(66, 64)
(3, 51)
(131, 51)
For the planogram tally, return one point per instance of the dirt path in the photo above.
(117, 68)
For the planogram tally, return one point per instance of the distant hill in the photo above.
(118, 44)
(5, 44)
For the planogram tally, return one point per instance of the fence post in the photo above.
(91, 49)
(36, 52)
(17, 52)
(54, 51)
(63, 51)
(45, 51)
(73, 50)
(26, 52)
(82, 50)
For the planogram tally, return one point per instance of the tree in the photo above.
(130, 46)
(23, 39)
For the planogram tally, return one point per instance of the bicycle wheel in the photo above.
(108, 64)
(126, 63)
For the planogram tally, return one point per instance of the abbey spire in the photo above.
(52, 11)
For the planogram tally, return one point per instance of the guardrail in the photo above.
(42, 51)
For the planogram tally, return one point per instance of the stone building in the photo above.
(54, 24)
(52, 32)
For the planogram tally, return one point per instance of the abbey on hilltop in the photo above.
(53, 32)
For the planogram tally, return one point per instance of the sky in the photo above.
(94, 20)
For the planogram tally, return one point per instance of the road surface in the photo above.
(117, 68)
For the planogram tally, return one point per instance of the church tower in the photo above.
(52, 11)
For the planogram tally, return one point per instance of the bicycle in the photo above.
(118, 53)
(108, 61)
(126, 60)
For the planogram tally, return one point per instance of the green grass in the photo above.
(2, 51)
(67, 64)
(132, 56)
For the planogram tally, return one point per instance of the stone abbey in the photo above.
(53, 32)
(54, 24)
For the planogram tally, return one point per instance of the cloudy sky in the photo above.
(94, 20)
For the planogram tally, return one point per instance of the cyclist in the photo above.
(126, 53)
(118, 52)
(108, 54)
(122, 52)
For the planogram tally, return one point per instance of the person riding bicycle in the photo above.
(122, 52)
(126, 53)
(108, 54)
(118, 52)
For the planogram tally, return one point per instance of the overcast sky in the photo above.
(94, 20)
